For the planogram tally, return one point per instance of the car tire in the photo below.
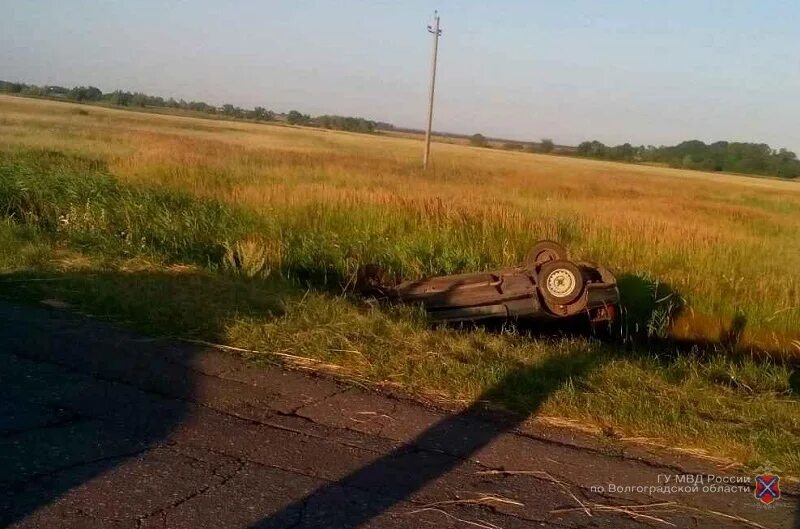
(560, 282)
(544, 252)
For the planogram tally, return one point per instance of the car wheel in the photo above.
(544, 252)
(560, 282)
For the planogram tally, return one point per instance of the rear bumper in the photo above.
(602, 303)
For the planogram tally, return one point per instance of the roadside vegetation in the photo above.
(249, 236)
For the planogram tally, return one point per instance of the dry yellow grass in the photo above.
(726, 243)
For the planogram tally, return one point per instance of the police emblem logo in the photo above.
(768, 488)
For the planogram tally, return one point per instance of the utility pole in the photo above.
(436, 32)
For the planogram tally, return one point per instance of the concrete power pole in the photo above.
(436, 32)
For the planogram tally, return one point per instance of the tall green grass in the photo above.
(92, 210)
(73, 199)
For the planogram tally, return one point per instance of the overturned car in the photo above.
(546, 286)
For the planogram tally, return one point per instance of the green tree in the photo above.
(14, 88)
(345, 123)
(592, 149)
(230, 110)
(546, 145)
(85, 93)
(120, 98)
(262, 114)
(295, 117)
(138, 100)
(478, 140)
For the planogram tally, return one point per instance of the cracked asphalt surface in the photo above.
(102, 427)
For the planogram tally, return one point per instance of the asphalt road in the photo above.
(101, 427)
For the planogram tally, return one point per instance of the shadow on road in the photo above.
(62, 424)
(72, 405)
(52, 421)
(396, 476)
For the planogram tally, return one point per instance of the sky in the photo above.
(640, 71)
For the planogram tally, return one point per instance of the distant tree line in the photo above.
(91, 94)
(345, 123)
(545, 145)
(732, 157)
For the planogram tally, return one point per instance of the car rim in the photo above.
(561, 283)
